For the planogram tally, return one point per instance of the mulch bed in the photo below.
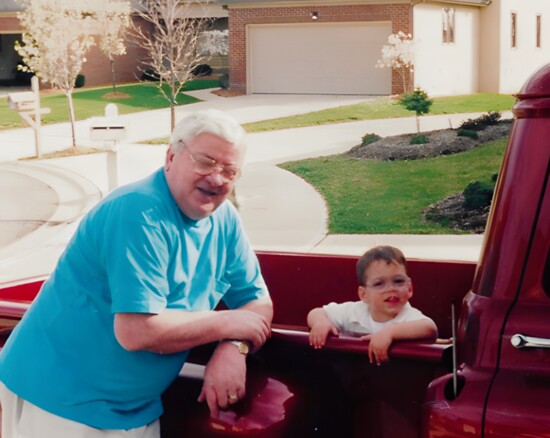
(450, 210)
(441, 142)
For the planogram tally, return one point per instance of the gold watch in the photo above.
(242, 346)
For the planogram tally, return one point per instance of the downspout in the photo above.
(413, 4)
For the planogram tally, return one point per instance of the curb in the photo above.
(76, 195)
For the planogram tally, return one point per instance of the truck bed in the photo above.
(294, 390)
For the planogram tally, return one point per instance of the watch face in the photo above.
(242, 346)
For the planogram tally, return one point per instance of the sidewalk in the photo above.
(279, 210)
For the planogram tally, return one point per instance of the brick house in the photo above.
(96, 69)
(331, 47)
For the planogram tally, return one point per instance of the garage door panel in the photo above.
(318, 58)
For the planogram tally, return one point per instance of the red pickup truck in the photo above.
(488, 375)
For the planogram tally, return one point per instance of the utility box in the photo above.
(110, 130)
(24, 101)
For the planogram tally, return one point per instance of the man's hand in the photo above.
(246, 325)
(225, 374)
(224, 378)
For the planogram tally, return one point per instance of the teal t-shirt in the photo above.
(133, 252)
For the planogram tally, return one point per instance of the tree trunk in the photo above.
(71, 115)
(172, 116)
(113, 76)
(417, 124)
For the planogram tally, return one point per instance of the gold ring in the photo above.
(232, 398)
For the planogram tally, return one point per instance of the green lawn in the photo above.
(90, 102)
(380, 108)
(373, 197)
(387, 197)
(384, 108)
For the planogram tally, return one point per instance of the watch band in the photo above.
(241, 345)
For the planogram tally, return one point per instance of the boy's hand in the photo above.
(319, 333)
(380, 343)
(321, 326)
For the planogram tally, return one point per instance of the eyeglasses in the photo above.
(206, 166)
(397, 283)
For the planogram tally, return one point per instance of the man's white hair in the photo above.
(210, 121)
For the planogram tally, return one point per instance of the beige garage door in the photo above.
(317, 58)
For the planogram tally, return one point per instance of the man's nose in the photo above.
(215, 178)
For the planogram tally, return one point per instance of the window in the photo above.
(514, 23)
(538, 26)
(448, 22)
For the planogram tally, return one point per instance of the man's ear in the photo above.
(169, 158)
(411, 289)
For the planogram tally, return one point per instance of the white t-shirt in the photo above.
(354, 318)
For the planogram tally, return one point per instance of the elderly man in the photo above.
(134, 291)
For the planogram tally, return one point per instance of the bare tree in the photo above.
(55, 41)
(113, 22)
(169, 36)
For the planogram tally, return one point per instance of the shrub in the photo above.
(419, 139)
(80, 81)
(479, 124)
(416, 101)
(224, 81)
(202, 70)
(491, 118)
(478, 194)
(461, 132)
(369, 138)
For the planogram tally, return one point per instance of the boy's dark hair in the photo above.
(387, 253)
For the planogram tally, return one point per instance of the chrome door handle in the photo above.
(522, 341)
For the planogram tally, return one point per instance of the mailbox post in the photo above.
(110, 130)
(27, 104)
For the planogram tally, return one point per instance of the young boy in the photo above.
(384, 313)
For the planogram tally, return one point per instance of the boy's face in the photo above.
(387, 289)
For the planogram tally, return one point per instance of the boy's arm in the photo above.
(381, 341)
(320, 326)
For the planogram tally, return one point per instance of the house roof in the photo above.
(304, 2)
(340, 2)
(16, 6)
